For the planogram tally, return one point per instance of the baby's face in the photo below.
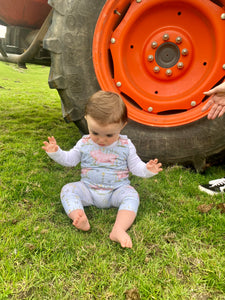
(103, 135)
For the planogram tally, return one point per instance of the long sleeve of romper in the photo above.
(67, 158)
(135, 165)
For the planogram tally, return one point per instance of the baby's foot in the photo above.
(119, 235)
(80, 220)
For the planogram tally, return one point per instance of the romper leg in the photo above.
(71, 197)
(75, 195)
(127, 199)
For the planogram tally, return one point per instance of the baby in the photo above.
(106, 159)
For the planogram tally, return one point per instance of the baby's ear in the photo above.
(85, 117)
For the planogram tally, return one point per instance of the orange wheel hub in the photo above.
(160, 56)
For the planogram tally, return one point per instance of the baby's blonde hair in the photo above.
(106, 108)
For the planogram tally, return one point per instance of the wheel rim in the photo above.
(160, 56)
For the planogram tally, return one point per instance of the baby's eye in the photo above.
(94, 133)
(109, 135)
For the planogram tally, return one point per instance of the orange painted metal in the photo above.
(160, 56)
(24, 13)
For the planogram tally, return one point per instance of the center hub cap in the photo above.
(167, 55)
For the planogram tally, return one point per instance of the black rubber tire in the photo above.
(69, 40)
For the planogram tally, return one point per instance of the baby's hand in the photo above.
(50, 146)
(154, 166)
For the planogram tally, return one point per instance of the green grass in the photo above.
(178, 252)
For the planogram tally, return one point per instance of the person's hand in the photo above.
(217, 102)
(51, 145)
(154, 166)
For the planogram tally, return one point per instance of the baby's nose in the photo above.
(101, 138)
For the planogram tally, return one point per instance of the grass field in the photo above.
(178, 252)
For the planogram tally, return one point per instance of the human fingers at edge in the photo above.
(218, 89)
(213, 112)
(216, 111)
(207, 105)
(222, 112)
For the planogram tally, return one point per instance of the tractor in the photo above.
(159, 55)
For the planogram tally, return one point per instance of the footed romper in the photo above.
(77, 195)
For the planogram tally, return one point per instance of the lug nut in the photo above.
(150, 109)
(138, 1)
(166, 37)
(118, 84)
(223, 16)
(193, 103)
(113, 40)
(156, 69)
(184, 52)
(154, 45)
(179, 40)
(150, 58)
(169, 72)
(224, 66)
(180, 65)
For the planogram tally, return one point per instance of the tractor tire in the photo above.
(81, 65)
